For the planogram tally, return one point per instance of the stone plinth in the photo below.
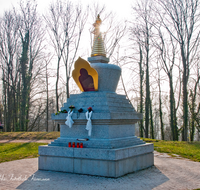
(112, 150)
(113, 121)
(92, 161)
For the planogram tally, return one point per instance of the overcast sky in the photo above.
(121, 7)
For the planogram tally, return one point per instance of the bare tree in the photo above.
(31, 34)
(167, 57)
(10, 67)
(143, 31)
(141, 76)
(181, 20)
(194, 106)
(160, 107)
(65, 22)
(47, 61)
(21, 39)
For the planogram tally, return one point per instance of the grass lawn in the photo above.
(16, 151)
(29, 135)
(190, 150)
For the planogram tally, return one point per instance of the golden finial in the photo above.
(98, 44)
(98, 20)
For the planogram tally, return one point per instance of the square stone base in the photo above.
(100, 162)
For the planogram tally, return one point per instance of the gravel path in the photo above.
(168, 173)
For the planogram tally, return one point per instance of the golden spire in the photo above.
(98, 44)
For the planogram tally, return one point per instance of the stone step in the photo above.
(107, 109)
(101, 143)
(97, 101)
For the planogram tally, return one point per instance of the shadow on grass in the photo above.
(195, 144)
(16, 151)
(16, 148)
(28, 135)
(12, 135)
(41, 135)
(19, 135)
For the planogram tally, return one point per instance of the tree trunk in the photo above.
(27, 111)
(192, 108)
(9, 106)
(24, 63)
(171, 100)
(147, 100)
(141, 93)
(18, 105)
(47, 102)
(160, 111)
(151, 119)
(185, 106)
(67, 86)
(192, 123)
(5, 103)
(57, 96)
(175, 122)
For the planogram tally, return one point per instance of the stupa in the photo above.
(100, 123)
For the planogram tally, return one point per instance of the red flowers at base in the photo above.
(73, 145)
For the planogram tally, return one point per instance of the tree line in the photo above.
(158, 46)
(166, 34)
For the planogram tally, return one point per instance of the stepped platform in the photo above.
(112, 150)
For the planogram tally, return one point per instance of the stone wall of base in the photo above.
(117, 163)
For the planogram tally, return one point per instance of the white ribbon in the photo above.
(89, 122)
(69, 121)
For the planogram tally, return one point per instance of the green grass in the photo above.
(16, 151)
(29, 135)
(190, 150)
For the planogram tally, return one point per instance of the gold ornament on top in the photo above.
(98, 43)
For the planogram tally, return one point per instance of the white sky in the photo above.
(121, 7)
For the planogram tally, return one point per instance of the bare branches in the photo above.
(183, 14)
(21, 38)
(66, 22)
